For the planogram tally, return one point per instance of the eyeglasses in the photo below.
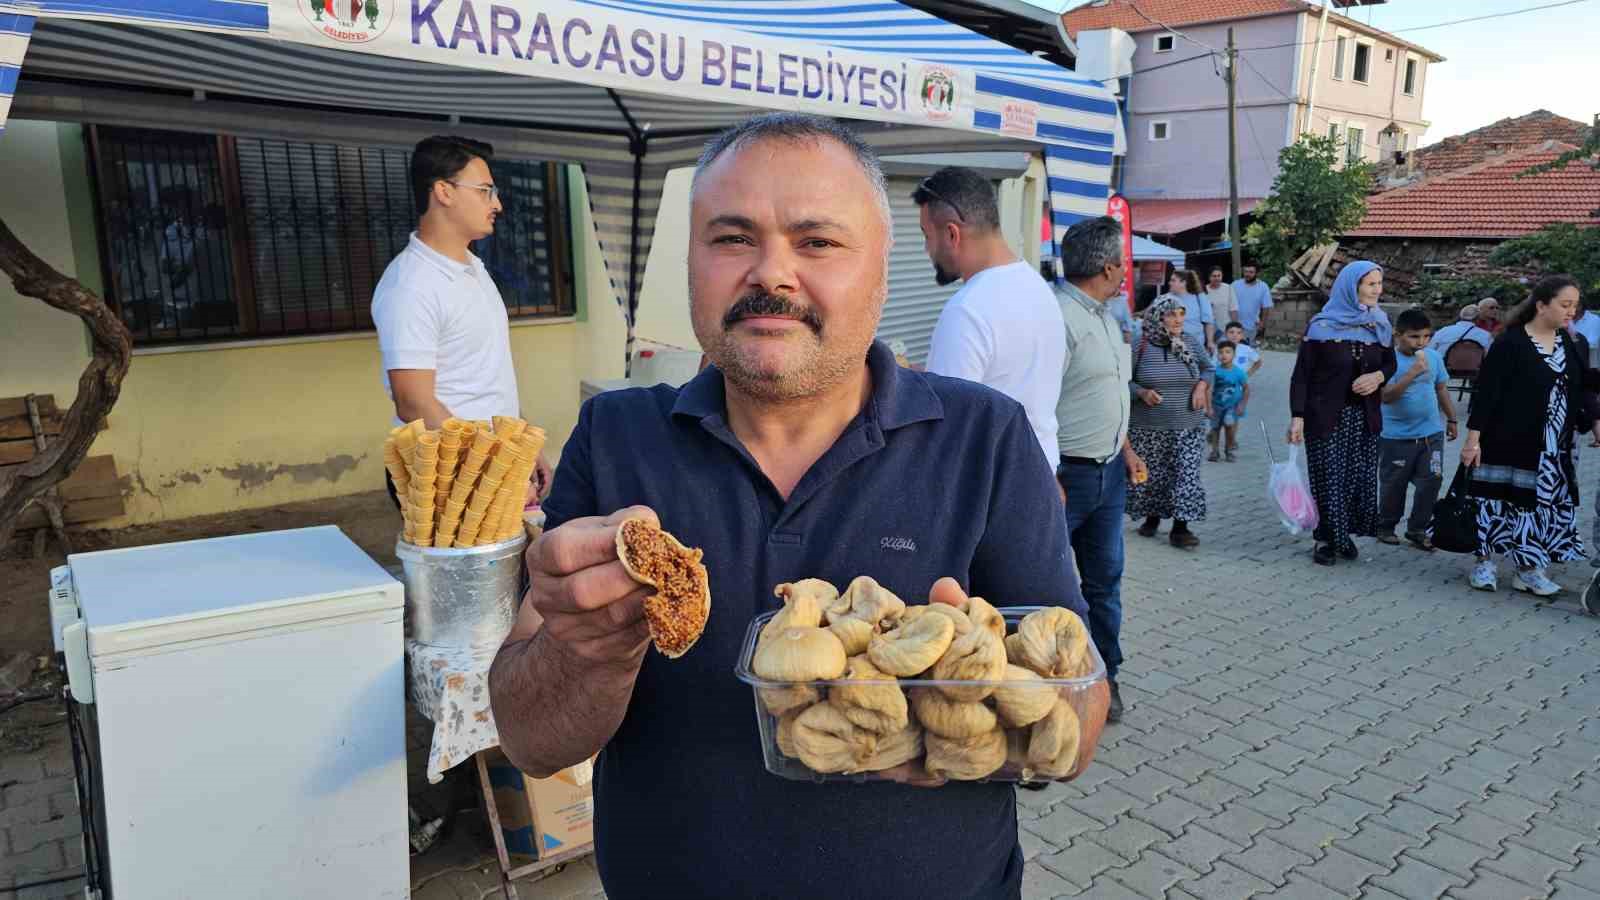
(490, 191)
(926, 188)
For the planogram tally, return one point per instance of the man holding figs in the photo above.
(790, 457)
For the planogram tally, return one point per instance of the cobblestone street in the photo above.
(1376, 729)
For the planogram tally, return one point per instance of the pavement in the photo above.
(1374, 730)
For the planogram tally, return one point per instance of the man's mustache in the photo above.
(763, 303)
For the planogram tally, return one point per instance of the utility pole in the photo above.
(1233, 153)
(1316, 56)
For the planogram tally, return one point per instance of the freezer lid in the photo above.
(145, 596)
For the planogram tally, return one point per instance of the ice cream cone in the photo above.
(428, 445)
(405, 442)
(499, 465)
(445, 535)
(461, 491)
(483, 442)
(533, 437)
(479, 503)
(467, 536)
(451, 426)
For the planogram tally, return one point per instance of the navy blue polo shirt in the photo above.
(935, 477)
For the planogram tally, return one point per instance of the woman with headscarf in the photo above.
(1168, 422)
(1345, 357)
(1527, 405)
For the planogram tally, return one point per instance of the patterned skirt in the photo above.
(1174, 489)
(1344, 480)
(1534, 538)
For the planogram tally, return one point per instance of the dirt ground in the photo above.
(369, 519)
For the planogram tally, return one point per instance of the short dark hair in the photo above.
(1249, 265)
(1412, 320)
(1215, 270)
(1226, 345)
(795, 128)
(966, 193)
(441, 158)
(1238, 325)
(1089, 246)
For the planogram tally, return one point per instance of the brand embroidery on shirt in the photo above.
(902, 544)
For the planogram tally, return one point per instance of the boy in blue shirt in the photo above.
(1417, 415)
(1228, 398)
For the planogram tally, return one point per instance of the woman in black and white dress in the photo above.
(1168, 421)
(1527, 406)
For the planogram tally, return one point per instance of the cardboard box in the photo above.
(541, 817)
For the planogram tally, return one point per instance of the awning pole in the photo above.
(638, 144)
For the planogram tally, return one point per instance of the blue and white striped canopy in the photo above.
(933, 85)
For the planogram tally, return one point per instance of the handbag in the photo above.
(1455, 518)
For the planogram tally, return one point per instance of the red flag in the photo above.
(1117, 208)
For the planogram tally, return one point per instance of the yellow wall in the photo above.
(228, 427)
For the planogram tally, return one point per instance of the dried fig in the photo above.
(854, 634)
(879, 708)
(896, 748)
(827, 742)
(948, 718)
(913, 646)
(985, 616)
(977, 656)
(965, 759)
(802, 605)
(1052, 642)
(1053, 743)
(956, 616)
(1016, 753)
(867, 600)
(1025, 699)
(780, 701)
(677, 612)
(785, 735)
(800, 654)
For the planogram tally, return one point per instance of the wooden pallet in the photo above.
(91, 493)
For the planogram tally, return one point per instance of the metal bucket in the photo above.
(461, 597)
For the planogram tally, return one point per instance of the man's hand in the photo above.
(1367, 383)
(543, 477)
(1137, 471)
(1450, 432)
(583, 600)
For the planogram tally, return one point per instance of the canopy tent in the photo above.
(630, 89)
(1145, 249)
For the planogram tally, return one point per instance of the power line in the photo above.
(1499, 15)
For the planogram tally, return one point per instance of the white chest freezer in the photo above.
(243, 710)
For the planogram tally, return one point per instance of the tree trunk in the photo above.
(98, 386)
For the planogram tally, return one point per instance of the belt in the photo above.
(1082, 461)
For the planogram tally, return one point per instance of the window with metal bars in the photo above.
(214, 237)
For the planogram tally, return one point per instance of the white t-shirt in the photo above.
(1222, 304)
(1003, 329)
(432, 312)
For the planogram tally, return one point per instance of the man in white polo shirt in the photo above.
(1003, 328)
(442, 325)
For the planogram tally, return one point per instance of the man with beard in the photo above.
(443, 331)
(1003, 328)
(803, 451)
(1251, 299)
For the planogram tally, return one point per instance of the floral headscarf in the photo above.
(1155, 331)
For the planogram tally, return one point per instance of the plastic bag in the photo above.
(1290, 491)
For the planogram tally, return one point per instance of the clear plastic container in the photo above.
(1074, 691)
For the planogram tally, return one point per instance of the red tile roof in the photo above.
(1174, 13)
(1488, 200)
(1515, 133)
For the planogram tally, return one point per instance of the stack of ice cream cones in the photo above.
(464, 484)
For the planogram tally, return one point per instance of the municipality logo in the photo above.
(349, 21)
(938, 93)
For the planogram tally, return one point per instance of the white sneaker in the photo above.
(1484, 576)
(1535, 582)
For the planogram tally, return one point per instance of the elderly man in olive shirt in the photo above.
(803, 451)
(1096, 458)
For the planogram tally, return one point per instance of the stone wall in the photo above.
(1403, 260)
